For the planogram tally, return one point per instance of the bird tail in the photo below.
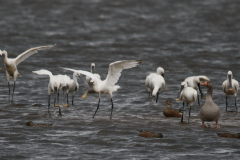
(115, 88)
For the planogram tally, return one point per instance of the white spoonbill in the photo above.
(108, 86)
(209, 111)
(230, 87)
(160, 71)
(187, 95)
(72, 86)
(88, 79)
(56, 84)
(155, 83)
(11, 63)
(194, 82)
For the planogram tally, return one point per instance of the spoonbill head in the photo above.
(160, 71)
(107, 86)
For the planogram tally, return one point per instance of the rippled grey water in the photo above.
(186, 38)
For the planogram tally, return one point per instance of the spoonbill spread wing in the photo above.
(30, 52)
(115, 69)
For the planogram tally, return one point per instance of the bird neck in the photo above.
(74, 78)
(209, 93)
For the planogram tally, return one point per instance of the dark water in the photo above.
(186, 38)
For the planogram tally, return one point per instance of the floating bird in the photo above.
(228, 135)
(30, 123)
(209, 111)
(11, 63)
(108, 86)
(155, 83)
(230, 87)
(169, 112)
(72, 86)
(187, 95)
(194, 82)
(88, 79)
(56, 84)
(148, 134)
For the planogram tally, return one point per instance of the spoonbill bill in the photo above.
(230, 87)
(11, 63)
(107, 86)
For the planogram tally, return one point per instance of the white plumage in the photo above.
(187, 95)
(155, 83)
(88, 79)
(56, 84)
(230, 87)
(11, 63)
(194, 82)
(72, 86)
(108, 86)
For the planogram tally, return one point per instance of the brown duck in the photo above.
(169, 112)
(209, 111)
(228, 135)
(30, 123)
(144, 133)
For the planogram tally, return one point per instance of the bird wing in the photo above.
(115, 69)
(43, 72)
(30, 52)
(86, 73)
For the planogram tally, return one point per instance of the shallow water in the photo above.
(186, 38)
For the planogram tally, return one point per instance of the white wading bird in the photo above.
(187, 95)
(56, 84)
(72, 86)
(194, 82)
(11, 63)
(107, 86)
(160, 71)
(230, 87)
(155, 83)
(88, 79)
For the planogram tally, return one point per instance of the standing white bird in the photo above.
(72, 86)
(160, 71)
(108, 86)
(194, 82)
(155, 83)
(88, 79)
(11, 63)
(187, 95)
(56, 84)
(230, 87)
